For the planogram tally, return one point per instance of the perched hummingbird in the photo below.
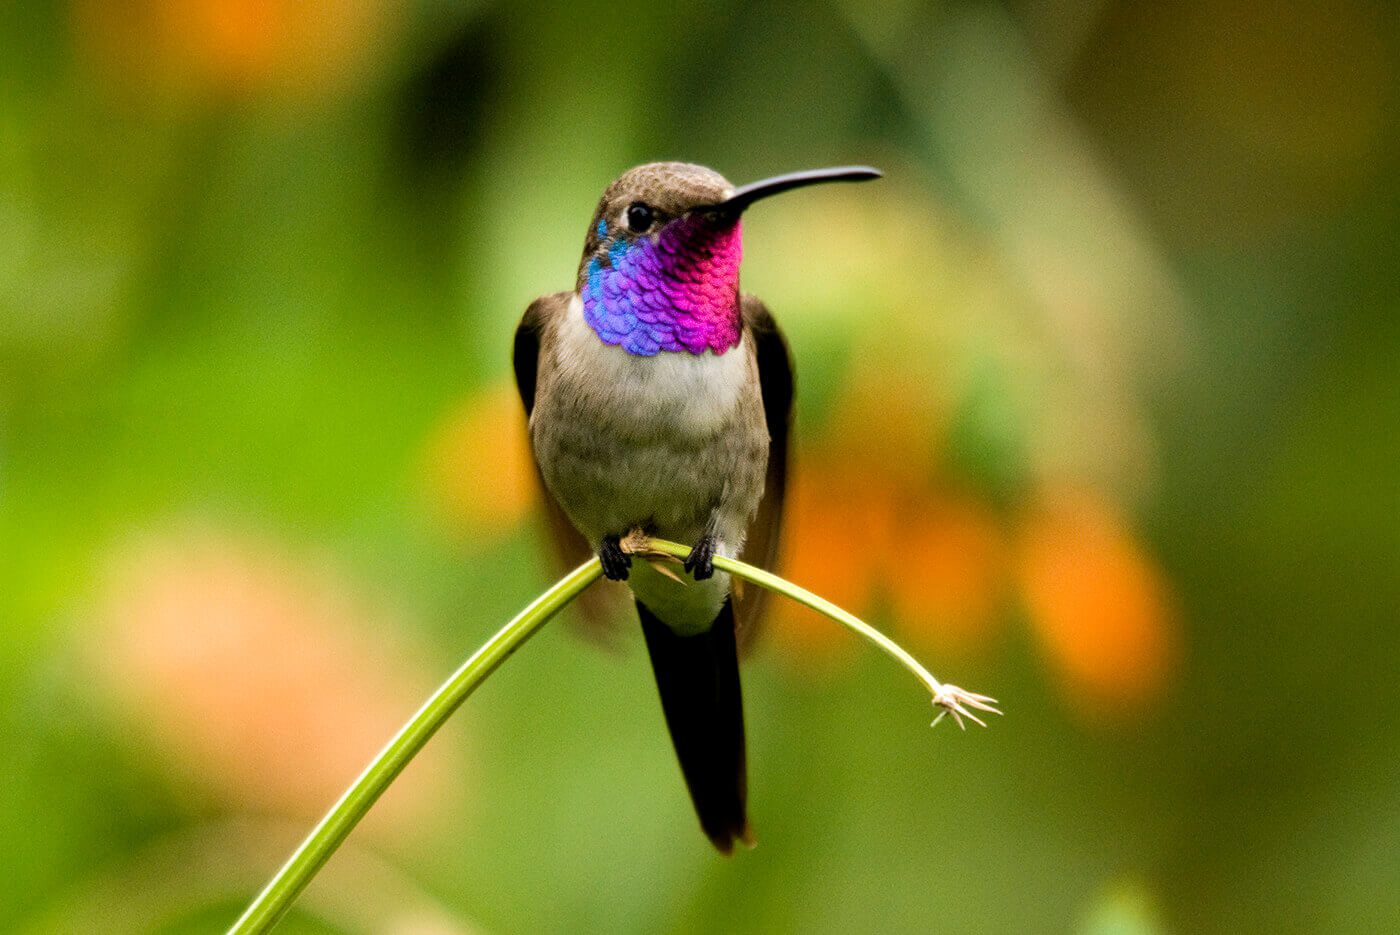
(659, 398)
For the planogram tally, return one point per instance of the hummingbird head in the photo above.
(660, 268)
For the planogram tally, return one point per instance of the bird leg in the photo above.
(700, 561)
(615, 561)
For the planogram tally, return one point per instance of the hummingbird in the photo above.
(659, 399)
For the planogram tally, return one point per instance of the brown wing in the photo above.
(601, 603)
(776, 381)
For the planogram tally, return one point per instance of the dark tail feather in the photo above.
(698, 677)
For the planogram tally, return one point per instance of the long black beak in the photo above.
(747, 194)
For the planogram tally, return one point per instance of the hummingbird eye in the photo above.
(639, 217)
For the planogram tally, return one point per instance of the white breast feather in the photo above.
(692, 393)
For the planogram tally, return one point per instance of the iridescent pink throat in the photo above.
(676, 291)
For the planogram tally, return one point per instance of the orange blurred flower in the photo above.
(858, 535)
(837, 526)
(864, 521)
(1096, 601)
(479, 471)
(259, 677)
(873, 521)
(234, 45)
(948, 571)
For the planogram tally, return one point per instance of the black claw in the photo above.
(700, 562)
(615, 561)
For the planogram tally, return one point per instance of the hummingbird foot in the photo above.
(615, 561)
(700, 562)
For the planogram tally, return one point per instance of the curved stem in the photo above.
(277, 897)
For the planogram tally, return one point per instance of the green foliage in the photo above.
(247, 284)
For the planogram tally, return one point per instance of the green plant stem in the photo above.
(277, 897)
(806, 598)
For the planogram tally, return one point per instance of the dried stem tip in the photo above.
(955, 701)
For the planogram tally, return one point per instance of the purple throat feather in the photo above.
(676, 291)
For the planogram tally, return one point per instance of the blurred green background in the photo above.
(1131, 282)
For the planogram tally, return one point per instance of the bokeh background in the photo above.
(1098, 412)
